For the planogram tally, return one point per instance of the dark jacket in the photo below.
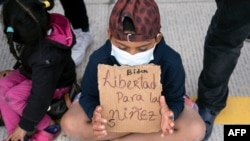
(172, 77)
(49, 66)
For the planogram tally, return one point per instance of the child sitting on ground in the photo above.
(41, 42)
(135, 39)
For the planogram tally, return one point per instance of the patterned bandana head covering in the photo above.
(144, 14)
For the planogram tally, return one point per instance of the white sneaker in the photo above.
(83, 41)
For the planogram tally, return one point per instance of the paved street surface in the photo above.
(184, 26)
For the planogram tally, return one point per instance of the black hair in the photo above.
(128, 24)
(29, 20)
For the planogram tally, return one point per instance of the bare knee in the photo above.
(67, 124)
(190, 125)
(197, 131)
(72, 128)
(75, 124)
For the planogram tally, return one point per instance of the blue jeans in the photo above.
(229, 27)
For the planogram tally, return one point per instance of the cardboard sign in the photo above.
(130, 97)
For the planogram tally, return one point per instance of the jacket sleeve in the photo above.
(44, 80)
(90, 94)
(173, 81)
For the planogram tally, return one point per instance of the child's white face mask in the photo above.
(125, 58)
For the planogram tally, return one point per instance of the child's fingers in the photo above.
(167, 127)
(167, 123)
(98, 127)
(100, 134)
(98, 123)
(99, 130)
(98, 110)
(97, 117)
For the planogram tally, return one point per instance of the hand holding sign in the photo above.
(167, 124)
(98, 123)
(129, 96)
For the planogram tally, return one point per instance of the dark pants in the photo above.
(228, 29)
(75, 11)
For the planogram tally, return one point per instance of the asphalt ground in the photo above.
(184, 26)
